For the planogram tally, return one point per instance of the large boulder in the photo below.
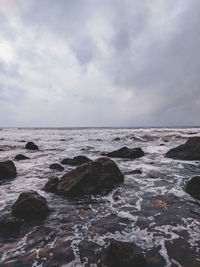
(30, 206)
(7, 169)
(94, 177)
(188, 151)
(76, 161)
(31, 146)
(120, 254)
(193, 187)
(21, 157)
(125, 152)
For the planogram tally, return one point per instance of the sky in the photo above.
(69, 63)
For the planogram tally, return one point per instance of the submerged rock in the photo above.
(21, 157)
(126, 152)
(7, 169)
(56, 166)
(93, 177)
(31, 146)
(51, 185)
(76, 161)
(188, 151)
(10, 224)
(193, 187)
(30, 206)
(120, 254)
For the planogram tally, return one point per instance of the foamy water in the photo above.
(128, 213)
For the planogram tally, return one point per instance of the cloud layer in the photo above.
(99, 63)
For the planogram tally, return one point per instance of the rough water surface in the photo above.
(151, 209)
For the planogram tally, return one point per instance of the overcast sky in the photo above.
(99, 62)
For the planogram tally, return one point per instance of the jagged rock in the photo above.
(193, 187)
(10, 224)
(76, 161)
(21, 157)
(31, 146)
(188, 151)
(30, 206)
(126, 152)
(51, 185)
(7, 170)
(120, 254)
(56, 166)
(93, 177)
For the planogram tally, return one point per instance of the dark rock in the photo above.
(193, 187)
(89, 252)
(1, 149)
(31, 146)
(188, 151)
(51, 185)
(162, 144)
(165, 140)
(76, 161)
(116, 139)
(10, 224)
(93, 177)
(7, 170)
(56, 166)
(126, 152)
(30, 206)
(62, 140)
(22, 141)
(21, 157)
(137, 171)
(120, 254)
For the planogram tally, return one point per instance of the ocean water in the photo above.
(151, 210)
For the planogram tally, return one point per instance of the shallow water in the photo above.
(150, 210)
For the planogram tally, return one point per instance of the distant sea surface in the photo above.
(150, 210)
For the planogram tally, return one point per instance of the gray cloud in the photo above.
(95, 63)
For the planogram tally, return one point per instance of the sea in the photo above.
(149, 210)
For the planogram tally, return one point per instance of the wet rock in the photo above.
(76, 161)
(7, 170)
(162, 144)
(120, 254)
(56, 166)
(188, 151)
(116, 139)
(10, 224)
(62, 140)
(193, 187)
(31, 146)
(126, 152)
(60, 255)
(30, 206)
(1, 149)
(89, 252)
(51, 185)
(21, 157)
(94, 177)
(165, 140)
(109, 224)
(137, 171)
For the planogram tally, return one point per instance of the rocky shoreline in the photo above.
(87, 178)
